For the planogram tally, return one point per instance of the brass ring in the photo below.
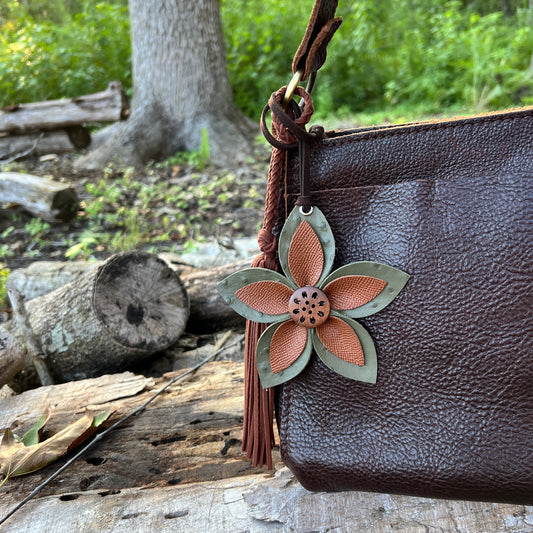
(291, 87)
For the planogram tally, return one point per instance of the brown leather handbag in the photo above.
(448, 203)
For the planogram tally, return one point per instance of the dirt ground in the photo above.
(158, 208)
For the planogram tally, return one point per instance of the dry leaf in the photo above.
(16, 459)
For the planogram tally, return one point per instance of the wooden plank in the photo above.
(260, 503)
(105, 106)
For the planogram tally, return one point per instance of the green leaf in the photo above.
(366, 373)
(320, 226)
(32, 435)
(101, 418)
(268, 378)
(396, 280)
(230, 285)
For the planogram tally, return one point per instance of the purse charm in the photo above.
(310, 306)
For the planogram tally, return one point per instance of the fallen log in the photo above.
(49, 142)
(115, 314)
(208, 312)
(12, 355)
(105, 106)
(191, 433)
(177, 467)
(44, 198)
(259, 503)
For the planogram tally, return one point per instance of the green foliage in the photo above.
(457, 57)
(42, 60)
(416, 52)
(261, 38)
(4, 273)
(122, 213)
(432, 54)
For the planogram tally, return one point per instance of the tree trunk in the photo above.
(44, 198)
(506, 8)
(115, 314)
(180, 85)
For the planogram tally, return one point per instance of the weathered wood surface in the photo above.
(208, 312)
(262, 503)
(177, 467)
(115, 314)
(44, 198)
(105, 106)
(49, 142)
(12, 355)
(190, 433)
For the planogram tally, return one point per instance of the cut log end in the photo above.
(140, 302)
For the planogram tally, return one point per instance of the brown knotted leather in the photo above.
(258, 433)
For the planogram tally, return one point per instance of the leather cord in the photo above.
(288, 129)
(290, 124)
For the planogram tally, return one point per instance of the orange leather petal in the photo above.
(350, 292)
(288, 343)
(306, 258)
(341, 340)
(270, 297)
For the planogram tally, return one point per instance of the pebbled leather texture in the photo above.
(451, 414)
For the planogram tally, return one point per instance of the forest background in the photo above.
(392, 60)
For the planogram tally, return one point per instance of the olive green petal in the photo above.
(366, 373)
(396, 280)
(320, 226)
(233, 283)
(268, 378)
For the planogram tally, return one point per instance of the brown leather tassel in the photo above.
(258, 433)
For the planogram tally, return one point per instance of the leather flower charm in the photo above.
(312, 307)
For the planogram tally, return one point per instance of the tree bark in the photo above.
(113, 315)
(181, 86)
(106, 106)
(44, 198)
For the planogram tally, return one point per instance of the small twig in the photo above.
(219, 348)
(33, 346)
(23, 154)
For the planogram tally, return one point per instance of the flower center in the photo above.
(309, 307)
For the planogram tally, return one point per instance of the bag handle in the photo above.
(311, 53)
